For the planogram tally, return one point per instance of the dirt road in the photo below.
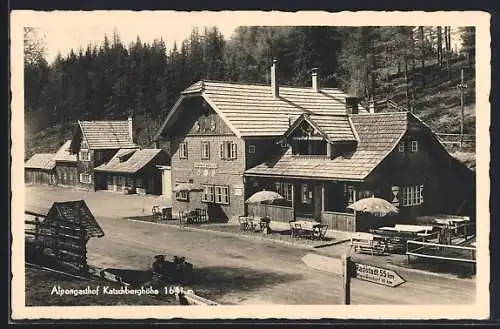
(241, 271)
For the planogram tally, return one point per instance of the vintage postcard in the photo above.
(233, 165)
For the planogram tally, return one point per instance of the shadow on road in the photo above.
(215, 282)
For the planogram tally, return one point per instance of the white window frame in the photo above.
(304, 194)
(351, 195)
(219, 196)
(251, 149)
(183, 195)
(85, 178)
(228, 151)
(205, 150)
(412, 195)
(208, 193)
(401, 147)
(285, 190)
(183, 150)
(85, 152)
(414, 146)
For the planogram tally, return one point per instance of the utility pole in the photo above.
(462, 86)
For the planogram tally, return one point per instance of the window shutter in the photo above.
(221, 150)
(422, 193)
(186, 150)
(395, 195)
(233, 150)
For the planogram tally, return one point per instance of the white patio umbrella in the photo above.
(264, 197)
(375, 206)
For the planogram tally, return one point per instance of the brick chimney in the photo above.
(275, 88)
(315, 79)
(130, 129)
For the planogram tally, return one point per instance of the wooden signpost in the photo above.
(348, 269)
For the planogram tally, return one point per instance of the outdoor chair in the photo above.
(243, 223)
(296, 230)
(320, 232)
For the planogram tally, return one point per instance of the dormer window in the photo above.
(414, 146)
(401, 147)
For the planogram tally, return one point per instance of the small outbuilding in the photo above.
(40, 169)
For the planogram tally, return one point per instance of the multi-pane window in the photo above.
(401, 147)
(413, 195)
(305, 193)
(85, 178)
(228, 150)
(285, 190)
(208, 193)
(183, 150)
(414, 146)
(84, 155)
(182, 195)
(98, 156)
(221, 194)
(351, 195)
(205, 150)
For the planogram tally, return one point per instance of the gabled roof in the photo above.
(378, 136)
(138, 160)
(76, 212)
(41, 161)
(64, 154)
(334, 128)
(106, 134)
(251, 109)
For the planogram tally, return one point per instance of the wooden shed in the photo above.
(40, 169)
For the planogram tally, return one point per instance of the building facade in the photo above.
(95, 143)
(217, 130)
(133, 171)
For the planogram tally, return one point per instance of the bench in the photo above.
(368, 243)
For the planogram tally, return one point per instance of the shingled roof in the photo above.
(334, 128)
(378, 136)
(76, 212)
(138, 160)
(106, 134)
(251, 109)
(64, 154)
(43, 161)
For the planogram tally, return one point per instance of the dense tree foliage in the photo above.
(113, 80)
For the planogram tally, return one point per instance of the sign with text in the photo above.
(376, 274)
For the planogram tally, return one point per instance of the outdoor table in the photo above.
(310, 227)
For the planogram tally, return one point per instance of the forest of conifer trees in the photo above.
(113, 80)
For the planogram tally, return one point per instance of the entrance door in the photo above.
(318, 202)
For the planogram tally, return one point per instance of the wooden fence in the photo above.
(339, 221)
(276, 213)
(61, 240)
(456, 139)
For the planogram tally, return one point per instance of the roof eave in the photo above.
(349, 179)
